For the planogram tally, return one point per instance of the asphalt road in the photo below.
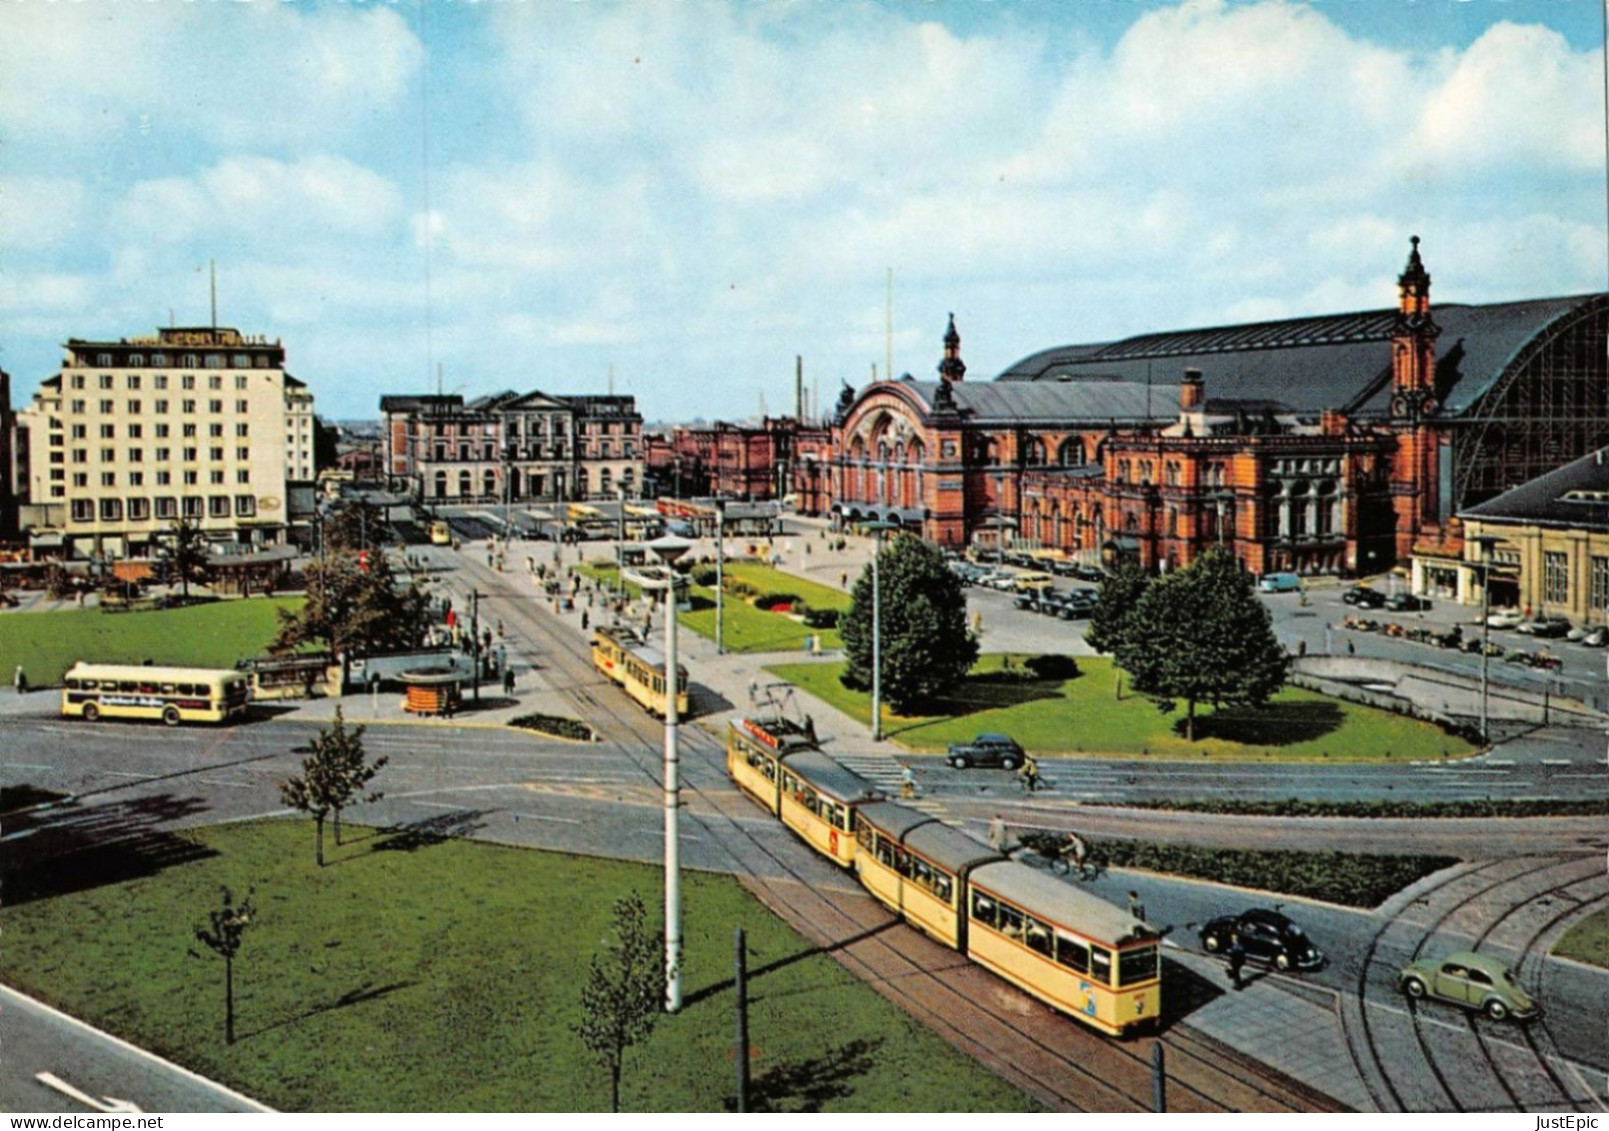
(105, 1073)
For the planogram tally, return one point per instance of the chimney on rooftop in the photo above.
(1192, 393)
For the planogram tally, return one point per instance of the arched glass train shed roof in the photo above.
(1309, 364)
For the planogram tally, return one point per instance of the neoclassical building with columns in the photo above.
(1335, 444)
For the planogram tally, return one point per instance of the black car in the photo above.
(1406, 603)
(1364, 597)
(986, 750)
(1266, 936)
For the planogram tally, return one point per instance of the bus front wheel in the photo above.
(170, 716)
(91, 712)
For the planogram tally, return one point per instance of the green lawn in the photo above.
(1587, 941)
(749, 629)
(1084, 716)
(426, 974)
(208, 636)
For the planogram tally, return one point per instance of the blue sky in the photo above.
(688, 194)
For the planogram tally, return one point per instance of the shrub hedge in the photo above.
(1334, 877)
(554, 725)
(1292, 807)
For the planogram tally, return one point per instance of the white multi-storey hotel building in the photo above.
(202, 424)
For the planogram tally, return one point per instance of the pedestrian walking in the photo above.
(907, 783)
(997, 833)
(1237, 962)
(1351, 649)
(843, 581)
(584, 620)
(20, 681)
(1136, 907)
(508, 681)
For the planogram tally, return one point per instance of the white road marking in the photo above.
(105, 1103)
(25, 766)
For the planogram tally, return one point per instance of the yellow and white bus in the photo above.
(174, 695)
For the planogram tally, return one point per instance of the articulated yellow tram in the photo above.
(777, 763)
(1071, 950)
(623, 656)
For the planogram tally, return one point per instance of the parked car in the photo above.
(1596, 637)
(1504, 618)
(1547, 627)
(1089, 573)
(1279, 583)
(1406, 603)
(1364, 597)
(986, 750)
(1474, 981)
(1266, 936)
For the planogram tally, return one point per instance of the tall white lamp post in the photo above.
(668, 550)
(1485, 542)
(877, 529)
(720, 575)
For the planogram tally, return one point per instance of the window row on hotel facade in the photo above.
(127, 439)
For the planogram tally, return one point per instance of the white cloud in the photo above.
(42, 212)
(233, 75)
(262, 203)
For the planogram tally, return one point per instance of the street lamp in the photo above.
(1485, 542)
(620, 546)
(720, 575)
(668, 550)
(877, 529)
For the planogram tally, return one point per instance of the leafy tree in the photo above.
(333, 777)
(356, 524)
(1121, 591)
(1202, 635)
(187, 554)
(223, 937)
(625, 991)
(926, 648)
(354, 607)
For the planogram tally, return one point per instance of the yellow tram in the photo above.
(777, 763)
(609, 648)
(1071, 950)
(623, 656)
(917, 867)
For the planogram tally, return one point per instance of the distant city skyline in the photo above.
(537, 195)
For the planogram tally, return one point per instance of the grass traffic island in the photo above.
(746, 626)
(1587, 941)
(213, 635)
(429, 973)
(1083, 715)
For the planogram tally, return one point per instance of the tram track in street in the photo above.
(1364, 1041)
(1026, 1042)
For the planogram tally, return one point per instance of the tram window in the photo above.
(1100, 965)
(902, 862)
(983, 908)
(866, 838)
(943, 888)
(1137, 964)
(1010, 922)
(1072, 954)
(1040, 938)
(885, 853)
(921, 873)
